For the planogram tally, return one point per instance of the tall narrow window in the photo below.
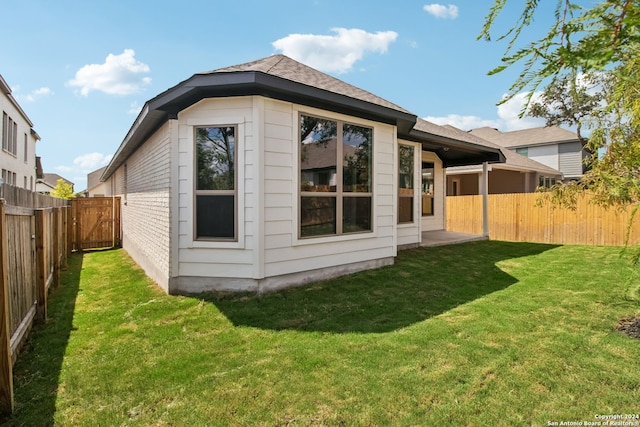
(428, 174)
(14, 140)
(335, 177)
(215, 183)
(405, 184)
(5, 131)
(26, 148)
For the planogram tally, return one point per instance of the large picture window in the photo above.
(215, 213)
(405, 184)
(335, 177)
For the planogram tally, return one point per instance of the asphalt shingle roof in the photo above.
(284, 67)
(513, 159)
(525, 137)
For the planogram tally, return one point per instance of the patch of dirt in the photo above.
(630, 326)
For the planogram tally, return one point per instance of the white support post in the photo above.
(485, 199)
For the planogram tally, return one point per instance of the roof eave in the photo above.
(454, 152)
(217, 85)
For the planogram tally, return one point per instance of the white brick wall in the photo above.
(146, 199)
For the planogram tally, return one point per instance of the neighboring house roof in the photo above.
(51, 179)
(93, 178)
(6, 90)
(526, 137)
(514, 161)
(282, 78)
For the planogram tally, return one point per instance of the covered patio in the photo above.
(443, 237)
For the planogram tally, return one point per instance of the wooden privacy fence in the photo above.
(33, 248)
(515, 217)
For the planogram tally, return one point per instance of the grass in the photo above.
(484, 333)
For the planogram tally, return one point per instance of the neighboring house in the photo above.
(552, 146)
(518, 174)
(48, 182)
(95, 187)
(18, 155)
(222, 189)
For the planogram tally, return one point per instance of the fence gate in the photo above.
(95, 223)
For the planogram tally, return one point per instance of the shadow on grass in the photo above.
(423, 283)
(37, 369)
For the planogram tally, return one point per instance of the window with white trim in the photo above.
(406, 189)
(336, 187)
(216, 189)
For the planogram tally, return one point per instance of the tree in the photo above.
(601, 41)
(63, 190)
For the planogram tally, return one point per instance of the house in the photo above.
(518, 174)
(48, 182)
(219, 189)
(95, 187)
(18, 155)
(552, 146)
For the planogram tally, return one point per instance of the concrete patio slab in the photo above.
(443, 237)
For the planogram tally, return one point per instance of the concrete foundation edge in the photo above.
(189, 285)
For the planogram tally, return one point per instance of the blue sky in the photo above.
(82, 70)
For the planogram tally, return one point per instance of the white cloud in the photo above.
(134, 108)
(336, 53)
(38, 93)
(508, 117)
(441, 11)
(82, 166)
(462, 122)
(91, 161)
(119, 75)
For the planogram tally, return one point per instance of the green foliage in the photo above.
(601, 43)
(63, 190)
(581, 39)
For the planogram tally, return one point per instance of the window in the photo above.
(9, 134)
(546, 182)
(523, 151)
(215, 198)
(26, 148)
(405, 184)
(335, 177)
(428, 173)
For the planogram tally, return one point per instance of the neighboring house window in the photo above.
(405, 184)
(5, 131)
(31, 183)
(523, 151)
(428, 175)
(9, 134)
(335, 177)
(26, 148)
(25, 182)
(215, 183)
(546, 182)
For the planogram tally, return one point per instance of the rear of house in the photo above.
(270, 174)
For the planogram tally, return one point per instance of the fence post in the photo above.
(55, 241)
(41, 264)
(6, 364)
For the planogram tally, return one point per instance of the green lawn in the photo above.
(484, 333)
